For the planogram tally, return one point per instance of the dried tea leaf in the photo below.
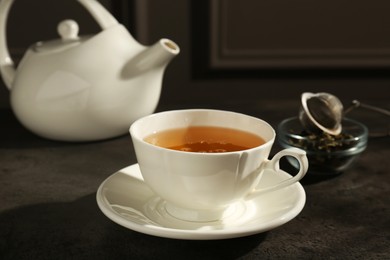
(324, 142)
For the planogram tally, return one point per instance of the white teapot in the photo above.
(84, 88)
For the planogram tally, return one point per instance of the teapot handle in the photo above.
(7, 67)
(101, 15)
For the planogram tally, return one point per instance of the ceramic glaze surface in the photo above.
(127, 200)
(83, 88)
(200, 186)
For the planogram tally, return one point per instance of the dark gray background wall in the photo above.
(207, 70)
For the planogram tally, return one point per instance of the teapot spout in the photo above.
(156, 56)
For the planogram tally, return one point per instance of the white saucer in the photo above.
(127, 200)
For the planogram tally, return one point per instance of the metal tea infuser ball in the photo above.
(321, 112)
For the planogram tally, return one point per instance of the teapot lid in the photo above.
(68, 30)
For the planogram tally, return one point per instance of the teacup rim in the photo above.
(267, 143)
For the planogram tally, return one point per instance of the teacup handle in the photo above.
(273, 164)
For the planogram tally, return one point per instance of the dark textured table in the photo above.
(48, 208)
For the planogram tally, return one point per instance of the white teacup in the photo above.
(201, 186)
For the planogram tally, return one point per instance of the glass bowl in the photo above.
(327, 154)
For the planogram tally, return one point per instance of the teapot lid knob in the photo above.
(68, 30)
